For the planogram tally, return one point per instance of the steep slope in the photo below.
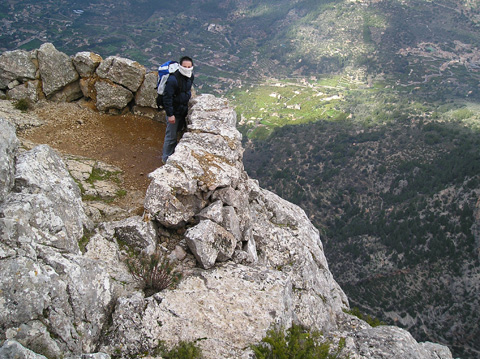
(250, 260)
(399, 208)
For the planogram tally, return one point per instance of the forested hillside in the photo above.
(396, 205)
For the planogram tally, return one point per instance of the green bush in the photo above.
(154, 272)
(22, 105)
(183, 350)
(297, 343)
(374, 322)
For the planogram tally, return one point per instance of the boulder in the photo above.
(210, 242)
(30, 90)
(146, 95)
(111, 96)
(213, 212)
(56, 69)
(86, 63)
(17, 65)
(137, 233)
(170, 197)
(46, 206)
(395, 343)
(8, 151)
(12, 349)
(121, 71)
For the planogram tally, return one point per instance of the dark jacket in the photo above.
(177, 93)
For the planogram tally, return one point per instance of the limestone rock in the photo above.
(8, 150)
(146, 95)
(111, 96)
(210, 242)
(30, 90)
(17, 65)
(56, 69)
(137, 233)
(395, 343)
(11, 349)
(46, 206)
(69, 93)
(214, 305)
(21, 120)
(86, 63)
(125, 72)
(213, 212)
(165, 196)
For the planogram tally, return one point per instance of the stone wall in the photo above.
(113, 85)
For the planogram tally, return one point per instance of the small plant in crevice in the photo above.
(183, 350)
(296, 342)
(374, 322)
(22, 105)
(154, 272)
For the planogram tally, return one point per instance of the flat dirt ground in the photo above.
(132, 143)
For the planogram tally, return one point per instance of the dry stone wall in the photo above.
(114, 84)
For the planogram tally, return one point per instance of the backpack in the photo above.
(164, 72)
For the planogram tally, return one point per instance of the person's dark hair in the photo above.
(186, 58)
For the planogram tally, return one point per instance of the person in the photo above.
(176, 95)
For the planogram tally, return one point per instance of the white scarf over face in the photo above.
(186, 71)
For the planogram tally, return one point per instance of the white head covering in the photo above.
(186, 71)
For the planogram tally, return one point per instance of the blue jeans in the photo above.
(171, 132)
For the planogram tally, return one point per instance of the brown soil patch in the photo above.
(132, 143)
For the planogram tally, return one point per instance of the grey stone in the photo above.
(163, 200)
(46, 207)
(69, 93)
(231, 222)
(125, 72)
(95, 356)
(8, 150)
(17, 65)
(56, 69)
(86, 63)
(146, 95)
(30, 90)
(12, 349)
(213, 212)
(214, 305)
(21, 120)
(395, 343)
(111, 96)
(137, 233)
(210, 242)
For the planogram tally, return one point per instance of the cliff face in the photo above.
(250, 260)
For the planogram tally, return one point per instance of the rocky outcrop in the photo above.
(115, 84)
(8, 148)
(250, 260)
(56, 69)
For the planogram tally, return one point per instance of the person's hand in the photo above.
(171, 119)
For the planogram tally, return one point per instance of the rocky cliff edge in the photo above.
(250, 260)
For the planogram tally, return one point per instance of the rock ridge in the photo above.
(250, 260)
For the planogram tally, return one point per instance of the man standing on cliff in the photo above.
(176, 95)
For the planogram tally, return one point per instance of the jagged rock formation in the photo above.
(250, 259)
